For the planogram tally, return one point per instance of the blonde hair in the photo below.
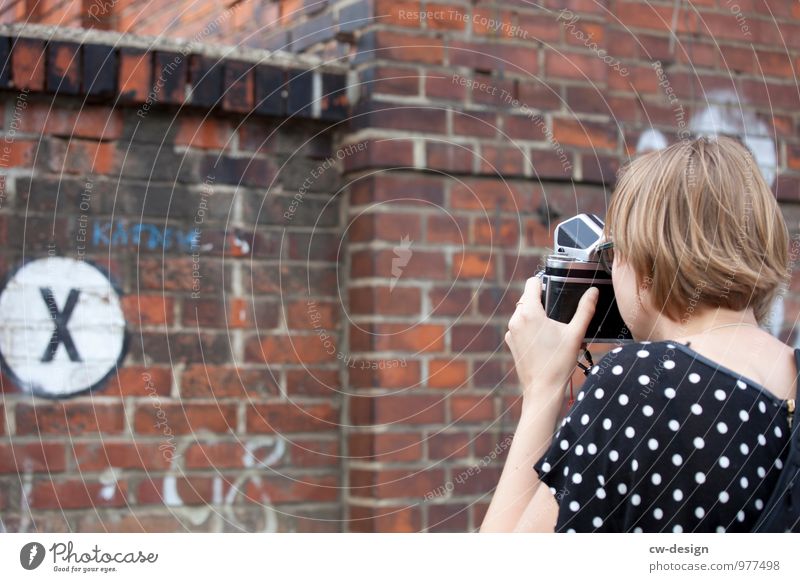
(696, 221)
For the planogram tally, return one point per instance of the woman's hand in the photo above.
(545, 351)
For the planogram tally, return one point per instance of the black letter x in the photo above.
(60, 318)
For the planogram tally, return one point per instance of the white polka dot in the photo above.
(720, 529)
(740, 516)
(581, 394)
(699, 512)
(744, 416)
(579, 450)
(594, 370)
(564, 445)
(601, 493)
(566, 470)
(744, 448)
(778, 432)
(606, 423)
(719, 394)
(677, 459)
(759, 504)
(616, 350)
(574, 505)
(576, 478)
(592, 448)
(670, 346)
(597, 522)
(644, 379)
(700, 477)
(694, 378)
(743, 482)
(630, 432)
(762, 440)
(563, 422)
(546, 467)
(616, 370)
(779, 463)
(585, 419)
(613, 455)
(601, 480)
(634, 465)
(642, 353)
(658, 513)
(699, 443)
(623, 399)
(647, 410)
(669, 364)
(674, 424)
(553, 490)
(570, 530)
(723, 497)
(696, 408)
(637, 529)
(677, 528)
(636, 499)
(652, 444)
(761, 472)
(622, 488)
(724, 462)
(656, 479)
(722, 427)
(677, 495)
(598, 393)
(762, 407)
(741, 384)
(669, 392)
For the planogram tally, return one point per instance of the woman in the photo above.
(686, 428)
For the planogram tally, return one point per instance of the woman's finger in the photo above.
(532, 296)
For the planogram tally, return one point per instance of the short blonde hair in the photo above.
(699, 226)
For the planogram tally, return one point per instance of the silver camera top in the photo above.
(578, 237)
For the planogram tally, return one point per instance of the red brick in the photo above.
(373, 299)
(19, 153)
(28, 64)
(390, 12)
(64, 63)
(285, 489)
(401, 410)
(473, 265)
(475, 337)
(387, 153)
(471, 409)
(517, 59)
(77, 494)
(447, 373)
(422, 265)
(475, 123)
(394, 337)
(204, 132)
(297, 349)
(450, 301)
(205, 381)
(314, 453)
(580, 66)
(402, 189)
(388, 226)
(140, 381)
(282, 418)
(402, 518)
(135, 75)
(184, 418)
(488, 195)
(78, 156)
(539, 27)
(381, 373)
(449, 157)
(393, 81)
(448, 229)
(502, 161)
(585, 134)
(148, 309)
(32, 457)
(439, 85)
(73, 418)
(192, 490)
(311, 314)
(230, 455)
(312, 381)
(448, 517)
(404, 483)
(397, 46)
(446, 17)
(121, 455)
(90, 121)
(385, 447)
(447, 446)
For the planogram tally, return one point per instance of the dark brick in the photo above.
(171, 68)
(99, 70)
(64, 68)
(205, 75)
(334, 96)
(238, 83)
(238, 171)
(301, 93)
(5, 62)
(28, 64)
(270, 87)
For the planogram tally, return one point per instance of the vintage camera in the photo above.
(571, 270)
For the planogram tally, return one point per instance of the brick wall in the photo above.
(471, 130)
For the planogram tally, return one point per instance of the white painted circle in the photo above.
(95, 327)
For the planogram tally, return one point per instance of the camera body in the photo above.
(571, 270)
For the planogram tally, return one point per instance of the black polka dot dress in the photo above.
(662, 439)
